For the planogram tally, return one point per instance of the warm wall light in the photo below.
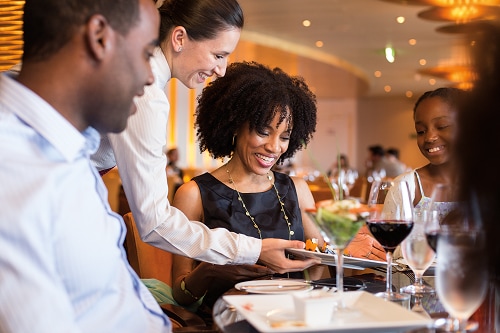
(412, 41)
(306, 23)
(422, 62)
(409, 93)
(400, 19)
(319, 43)
(387, 88)
(11, 35)
(377, 73)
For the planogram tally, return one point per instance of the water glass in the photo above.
(461, 272)
(418, 255)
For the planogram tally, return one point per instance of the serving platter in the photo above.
(329, 259)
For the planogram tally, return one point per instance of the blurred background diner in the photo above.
(175, 175)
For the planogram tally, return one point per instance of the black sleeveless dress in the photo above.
(222, 209)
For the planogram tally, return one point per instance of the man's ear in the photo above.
(98, 36)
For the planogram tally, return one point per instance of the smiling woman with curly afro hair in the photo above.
(251, 93)
(258, 117)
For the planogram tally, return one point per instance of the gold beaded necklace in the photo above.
(247, 213)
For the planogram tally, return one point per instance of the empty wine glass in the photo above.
(390, 226)
(418, 255)
(461, 272)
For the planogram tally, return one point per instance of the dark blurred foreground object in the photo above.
(477, 140)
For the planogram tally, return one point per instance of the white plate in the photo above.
(329, 259)
(270, 314)
(274, 286)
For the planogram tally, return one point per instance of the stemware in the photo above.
(461, 272)
(418, 255)
(418, 307)
(338, 226)
(390, 226)
(443, 200)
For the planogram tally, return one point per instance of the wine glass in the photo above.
(461, 272)
(418, 307)
(390, 224)
(418, 255)
(443, 200)
(338, 227)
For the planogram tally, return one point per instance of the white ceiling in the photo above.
(354, 33)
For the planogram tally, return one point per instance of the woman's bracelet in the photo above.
(187, 292)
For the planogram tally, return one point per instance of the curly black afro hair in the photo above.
(253, 93)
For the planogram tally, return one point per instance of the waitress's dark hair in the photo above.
(202, 19)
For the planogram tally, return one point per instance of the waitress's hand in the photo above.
(272, 255)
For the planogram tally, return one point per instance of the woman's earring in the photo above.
(234, 139)
(179, 49)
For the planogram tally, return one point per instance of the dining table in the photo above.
(228, 319)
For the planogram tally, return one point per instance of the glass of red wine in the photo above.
(390, 221)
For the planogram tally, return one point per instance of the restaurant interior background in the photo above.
(343, 49)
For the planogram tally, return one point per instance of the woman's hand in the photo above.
(363, 245)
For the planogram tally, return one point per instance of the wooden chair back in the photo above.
(148, 261)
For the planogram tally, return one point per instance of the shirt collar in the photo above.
(160, 68)
(45, 120)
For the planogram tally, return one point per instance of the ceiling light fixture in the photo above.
(464, 28)
(390, 54)
(453, 3)
(447, 3)
(459, 74)
(306, 23)
(461, 13)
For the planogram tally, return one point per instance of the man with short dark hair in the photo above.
(62, 263)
